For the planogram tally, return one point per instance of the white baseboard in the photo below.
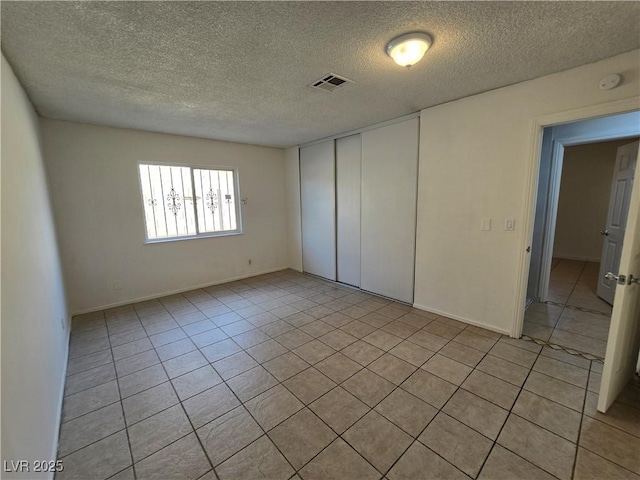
(577, 258)
(463, 319)
(173, 292)
(56, 437)
(528, 303)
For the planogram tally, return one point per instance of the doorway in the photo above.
(568, 303)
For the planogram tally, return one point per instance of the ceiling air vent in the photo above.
(330, 82)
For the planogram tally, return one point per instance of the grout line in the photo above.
(93, 386)
(584, 403)
(576, 282)
(370, 409)
(90, 353)
(305, 405)
(361, 367)
(606, 460)
(565, 306)
(124, 420)
(549, 399)
(495, 442)
(609, 425)
(561, 348)
(338, 435)
(95, 409)
(121, 471)
(193, 430)
(88, 413)
(242, 404)
(396, 387)
(440, 410)
(582, 309)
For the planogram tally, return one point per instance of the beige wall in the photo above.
(98, 211)
(34, 313)
(585, 187)
(474, 163)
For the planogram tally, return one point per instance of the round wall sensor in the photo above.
(610, 82)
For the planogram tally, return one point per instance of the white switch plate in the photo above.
(510, 224)
(485, 224)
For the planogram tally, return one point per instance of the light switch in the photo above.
(485, 224)
(510, 224)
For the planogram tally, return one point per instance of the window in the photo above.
(181, 202)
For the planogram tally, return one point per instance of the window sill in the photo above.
(192, 237)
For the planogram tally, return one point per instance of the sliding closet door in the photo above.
(348, 159)
(318, 206)
(389, 186)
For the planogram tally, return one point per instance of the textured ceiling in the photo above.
(239, 71)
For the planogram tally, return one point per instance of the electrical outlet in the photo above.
(250, 261)
(116, 285)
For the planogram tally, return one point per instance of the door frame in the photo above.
(531, 190)
(553, 198)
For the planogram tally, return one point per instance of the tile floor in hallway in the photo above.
(572, 286)
(287, 376)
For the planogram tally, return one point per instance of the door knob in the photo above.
(633, 279)
(604, 232)
(621, 279)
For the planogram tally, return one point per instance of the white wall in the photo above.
(292, 172)
(474, 163)
(34, 312)
(585, 187)
(98, 211)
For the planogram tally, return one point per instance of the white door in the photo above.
(318, 208)
(389, 186)
(613, 233)
(624, 334)
(348, 161)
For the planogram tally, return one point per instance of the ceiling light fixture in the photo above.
(409, 48)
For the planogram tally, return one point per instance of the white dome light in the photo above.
(408, 49)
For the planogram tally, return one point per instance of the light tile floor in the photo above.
(575, 317)
(288, 376)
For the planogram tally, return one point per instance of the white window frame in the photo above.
(238, 202)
